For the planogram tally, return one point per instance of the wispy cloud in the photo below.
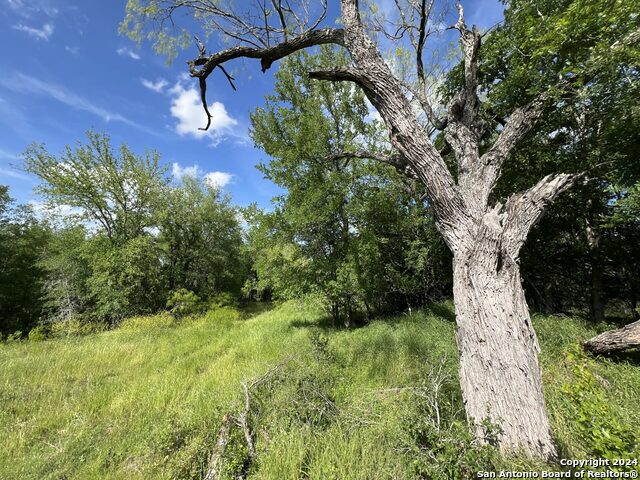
(127, 52)
(157, 86)
(4, 155)
(8, 172)
(25, 84)
(72, 50)
(31, 7)
(38, 33)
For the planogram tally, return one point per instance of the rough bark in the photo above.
(625, 338)
(499, 371)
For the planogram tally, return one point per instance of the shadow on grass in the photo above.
(253, 309)
(444, 310)
(328, 323)
(630, 356)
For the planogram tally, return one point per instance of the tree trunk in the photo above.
(596, 303)
(499, 370)
(618, 340)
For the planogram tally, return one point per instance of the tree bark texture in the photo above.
(499, 370)
(624, 338)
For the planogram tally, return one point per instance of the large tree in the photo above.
(356, 231)
(499, 370)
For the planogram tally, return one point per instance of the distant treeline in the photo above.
(126, 239)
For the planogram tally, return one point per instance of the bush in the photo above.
(224, 299)
(38, 333)
(182, 303)
(14, 337)
(148, 322)
(601, 431)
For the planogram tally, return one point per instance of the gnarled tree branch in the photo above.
(395, 160)
(524, 209)
(203, 65)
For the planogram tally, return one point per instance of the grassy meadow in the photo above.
(146, 400)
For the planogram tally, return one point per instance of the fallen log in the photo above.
(618, 340)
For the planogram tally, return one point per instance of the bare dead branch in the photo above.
(464, 106)
(242, 421)
(216, 459)
(203, 65)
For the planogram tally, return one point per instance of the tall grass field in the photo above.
(146, 400)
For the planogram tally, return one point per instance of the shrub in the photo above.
(147, 322)
(183, 302)
(220, 300)
(38, 333)
(14, 337)
(601, 431)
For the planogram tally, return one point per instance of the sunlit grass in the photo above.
(146, 400)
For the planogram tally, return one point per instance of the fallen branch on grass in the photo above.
(242, 421)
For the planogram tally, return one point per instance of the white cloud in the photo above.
(178, 172)
(127, 52)
(72, 50)
(186, 107)
(217, 179)
(213, 179)
(38, 33)
(157, 86)
(26, 84)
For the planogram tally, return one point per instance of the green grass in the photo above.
(146, 400)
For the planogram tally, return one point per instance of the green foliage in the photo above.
(133, 239)
(589, 126)
(126, 280)
(75, 327)
(14, 337)
(201, 240)
(222, 300)
(348, 229)
(603, 434)
(67, 262)
(38, 333)
(146, 20)
(23, 239)
(183, 302)
(117, 190)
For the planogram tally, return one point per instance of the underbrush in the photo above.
(147, 400)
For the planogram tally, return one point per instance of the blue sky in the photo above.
(65, 69)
